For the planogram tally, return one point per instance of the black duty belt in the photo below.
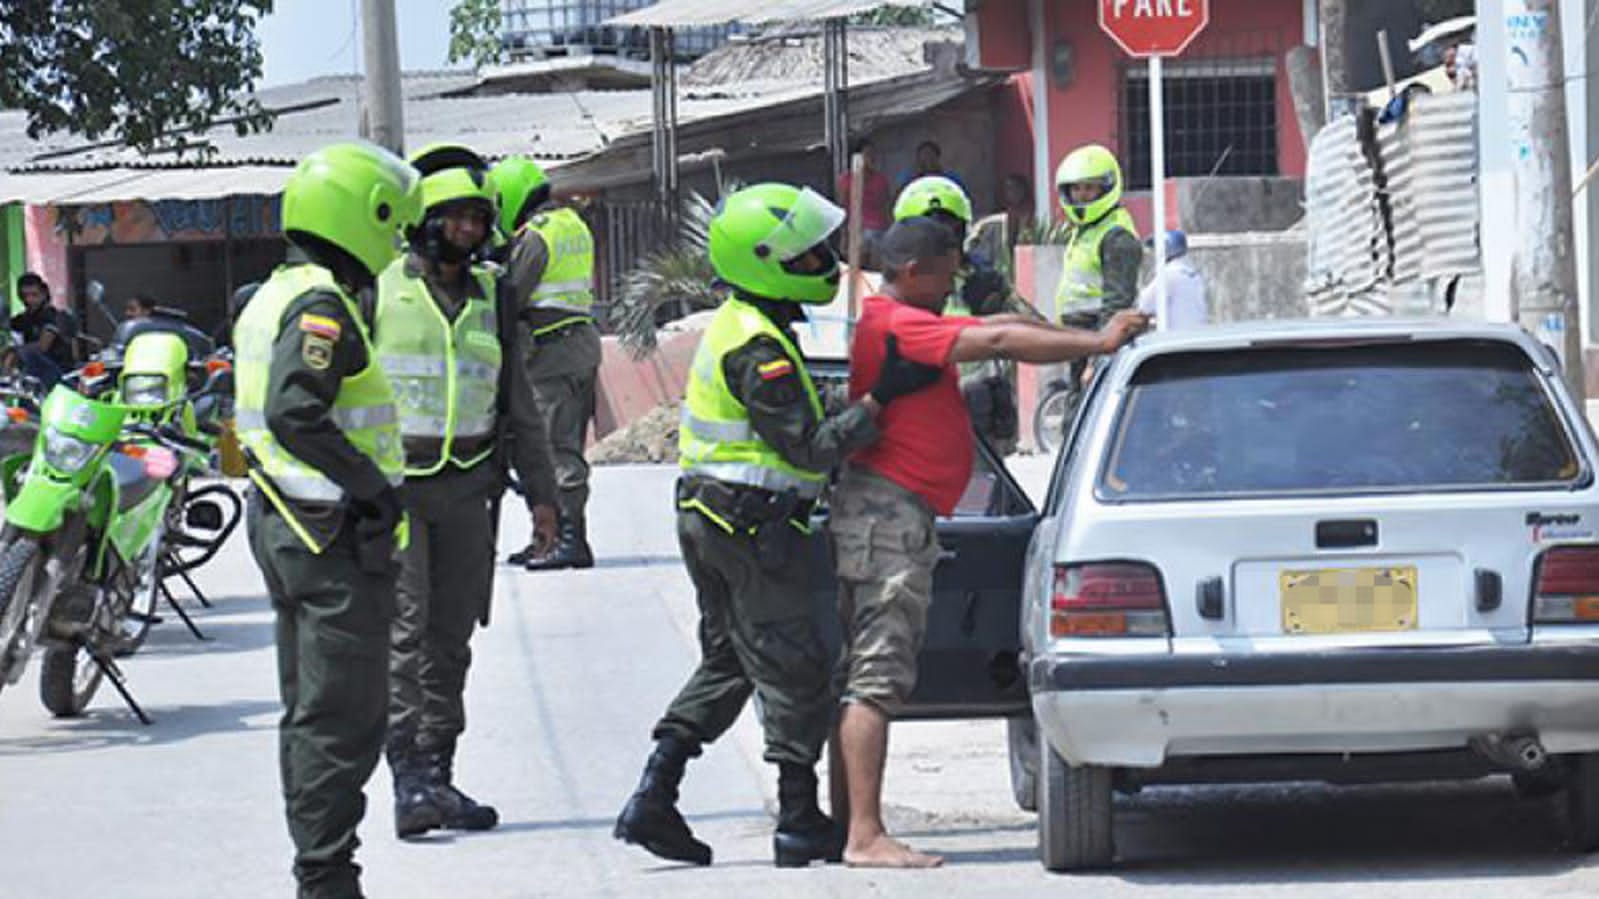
(743, 506)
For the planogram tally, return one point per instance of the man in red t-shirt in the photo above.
(883, 509)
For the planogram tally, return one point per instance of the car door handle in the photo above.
(947, 553)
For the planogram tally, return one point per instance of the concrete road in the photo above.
(567, 683)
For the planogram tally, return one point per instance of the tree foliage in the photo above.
(136, 71)
(475, 32)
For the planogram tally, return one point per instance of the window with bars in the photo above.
(1221, 117)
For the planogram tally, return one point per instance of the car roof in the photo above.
(1313, 331)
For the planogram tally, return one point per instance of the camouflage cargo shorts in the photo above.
(885, 548)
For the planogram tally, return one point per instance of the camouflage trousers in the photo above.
(885, 548)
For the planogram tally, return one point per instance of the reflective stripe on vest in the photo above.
(363, 409)
(568, 280)
(716, 438)
(1082, 274)
(446, 375)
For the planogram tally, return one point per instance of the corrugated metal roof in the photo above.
(109, 185)
(681, 13)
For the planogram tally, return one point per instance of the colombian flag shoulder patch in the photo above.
(320, 325)
(775, 369)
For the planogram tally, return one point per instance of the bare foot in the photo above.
(887, 852)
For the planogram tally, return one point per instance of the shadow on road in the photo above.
(110, 725)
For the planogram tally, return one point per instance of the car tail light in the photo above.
(1107, 599)
(1567, 590)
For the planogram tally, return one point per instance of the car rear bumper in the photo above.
(1137, 711)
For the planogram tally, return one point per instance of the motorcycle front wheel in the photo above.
(19, 567)
(68, 679)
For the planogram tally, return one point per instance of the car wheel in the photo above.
(1075, 816)
(1582, 801)
(1021, 735)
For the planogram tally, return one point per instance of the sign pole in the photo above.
(1157, 130)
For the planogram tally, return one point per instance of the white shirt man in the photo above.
(1185, 296)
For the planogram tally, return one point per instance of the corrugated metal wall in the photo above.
(1392, 209)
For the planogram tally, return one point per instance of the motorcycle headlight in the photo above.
(144, 390)
(65, 452)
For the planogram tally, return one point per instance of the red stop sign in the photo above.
(1153, 27)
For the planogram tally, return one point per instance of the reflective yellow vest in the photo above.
(446, 376)
(715, 438)
(364, 408)
(568, 281)
(1082, 276)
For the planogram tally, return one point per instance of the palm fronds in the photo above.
(669, 283)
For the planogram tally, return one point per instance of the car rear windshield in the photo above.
(1391, 417)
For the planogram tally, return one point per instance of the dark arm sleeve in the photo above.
(525, 268)
(1120, 256)
(300, 398)
(782, 415)
(519, 413)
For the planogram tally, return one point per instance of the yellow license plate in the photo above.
(1348, 600)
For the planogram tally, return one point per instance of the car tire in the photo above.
(1021, 737)
(1582, 801)
(1075, 815)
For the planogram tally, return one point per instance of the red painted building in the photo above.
(1228, 106)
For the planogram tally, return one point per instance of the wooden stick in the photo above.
(856, 239)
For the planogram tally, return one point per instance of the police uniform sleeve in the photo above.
(519, 412)
(317, 348)
(767, 381)
(1120, 256)
(525, 267)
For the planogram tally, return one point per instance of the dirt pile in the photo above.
(651, 439)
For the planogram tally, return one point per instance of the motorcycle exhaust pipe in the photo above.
(1516, 752)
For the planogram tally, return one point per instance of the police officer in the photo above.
(317, 418)
(450, 351)
(1099, 274)
(755, 450)
(989, 387)
(550, 272)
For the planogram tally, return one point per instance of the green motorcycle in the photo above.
(88, 514)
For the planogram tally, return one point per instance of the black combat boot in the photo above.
(524, 555)
(650, 818)
(570, 551)
(804, 834)
(415, 810)
(457, 810)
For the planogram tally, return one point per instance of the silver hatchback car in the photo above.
(1355, 550)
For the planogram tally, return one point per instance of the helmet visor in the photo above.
(811, 220)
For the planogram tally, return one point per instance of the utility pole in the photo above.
(382, 120)
(1334, 16)
(1543, 266)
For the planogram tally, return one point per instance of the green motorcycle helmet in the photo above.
(1090, 164)
(355, 196)
(770, 240)
(520, 187)
(453, 174)
(931, 194)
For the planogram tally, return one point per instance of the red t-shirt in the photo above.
(926, 442)
(875, 199)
